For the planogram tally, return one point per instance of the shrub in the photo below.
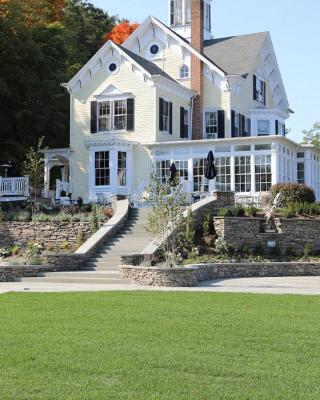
(238, 211)
(307, 251)
(290, 211)
(259, 250)
(15, 249)
(5, 252)
(33, 253)
(223, 248)
(94, 219)
(292, 193)
(65, 245)
(2, 215)
(252, 210)
(80, 238)
(208, 230)
(276, 251)
(224, 212)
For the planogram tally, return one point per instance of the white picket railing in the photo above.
(14, 186)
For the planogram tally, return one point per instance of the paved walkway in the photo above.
(294, 285)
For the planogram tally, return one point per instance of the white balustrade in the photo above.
(14, 186)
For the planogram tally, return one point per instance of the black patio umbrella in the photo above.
(173, 172)
(211, 171)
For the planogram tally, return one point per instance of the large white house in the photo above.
(172, 94)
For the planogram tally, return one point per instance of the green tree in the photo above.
(42, 44)
(166, 222)
(312, 136)
(33, 167)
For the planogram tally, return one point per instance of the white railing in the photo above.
(14, 186)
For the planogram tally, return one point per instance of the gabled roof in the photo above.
(90, 68)
(237, 55)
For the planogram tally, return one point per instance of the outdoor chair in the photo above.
(104, 199)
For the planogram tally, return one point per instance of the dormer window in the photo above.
(259, 90)
(180, 12)
(184, 72)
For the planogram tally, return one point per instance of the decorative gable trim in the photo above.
(171, 36)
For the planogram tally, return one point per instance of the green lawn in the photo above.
(156, 345)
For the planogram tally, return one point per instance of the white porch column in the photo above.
(233, 178)
(130, 171)
(46, 187)
(275, 164)
(91, 174)
(253, 174)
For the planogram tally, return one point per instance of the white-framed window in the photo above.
(176, 12)
(282, 128)
(187, 12)
(102, 168)
(184, 72)
(112, 115)
(200, 182)
(211, 124)
(223, 180)
(185, 123)
(163, 171)
(182, 169)
(263, 173)
(122, 168)
(165, 116)
(263, 127)
(260, 90)
(243, 174)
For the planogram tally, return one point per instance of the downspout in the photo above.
(191, 117)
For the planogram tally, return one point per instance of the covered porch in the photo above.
(56, 173)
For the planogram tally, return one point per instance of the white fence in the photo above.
(14, 186)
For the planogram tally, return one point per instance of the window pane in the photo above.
(263, 174)
(122, 168)
(102, 168)
(200, 182)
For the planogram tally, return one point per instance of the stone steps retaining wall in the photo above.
(192, 274)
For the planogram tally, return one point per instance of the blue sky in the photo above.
(295, 31)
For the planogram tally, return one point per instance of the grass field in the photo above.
(145, 346)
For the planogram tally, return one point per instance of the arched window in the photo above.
(184, 72)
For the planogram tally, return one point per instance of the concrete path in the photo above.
(294, 285)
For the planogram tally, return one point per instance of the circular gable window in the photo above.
(113, 67)
(154, 49)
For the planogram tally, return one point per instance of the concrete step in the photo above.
(98, 264)
(84, 281)
(81, 274)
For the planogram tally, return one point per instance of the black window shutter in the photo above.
(254, 87)
(221, 124)
(243, 126)
(130, 115)
(182, 133)
(170, 118)
(94, 117)
(233, 125)
(240, 125)
(284, 130)
(160, 114)
(277, 127)
(264, 92)
(249, 127)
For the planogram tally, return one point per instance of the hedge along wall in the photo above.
(292, 233)
(47, 233)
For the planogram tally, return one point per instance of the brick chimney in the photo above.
(197, 37)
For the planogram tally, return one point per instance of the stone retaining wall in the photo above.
(191, 275)
(293, 233)
(173, 277)
(11, 273)
(48, 233)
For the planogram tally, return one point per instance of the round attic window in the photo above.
(154, 49)
(112, 67)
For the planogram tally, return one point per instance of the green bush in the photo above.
(238, 211)
(292, 193)
(224, 212)
(252, 211)
(290, 211)
(259, 250)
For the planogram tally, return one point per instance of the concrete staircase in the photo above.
(103, 268)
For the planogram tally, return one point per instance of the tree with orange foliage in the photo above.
(121, 32)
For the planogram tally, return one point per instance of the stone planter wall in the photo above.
(173, 277)
(48, 233)
(190, 276)
(292, 233)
